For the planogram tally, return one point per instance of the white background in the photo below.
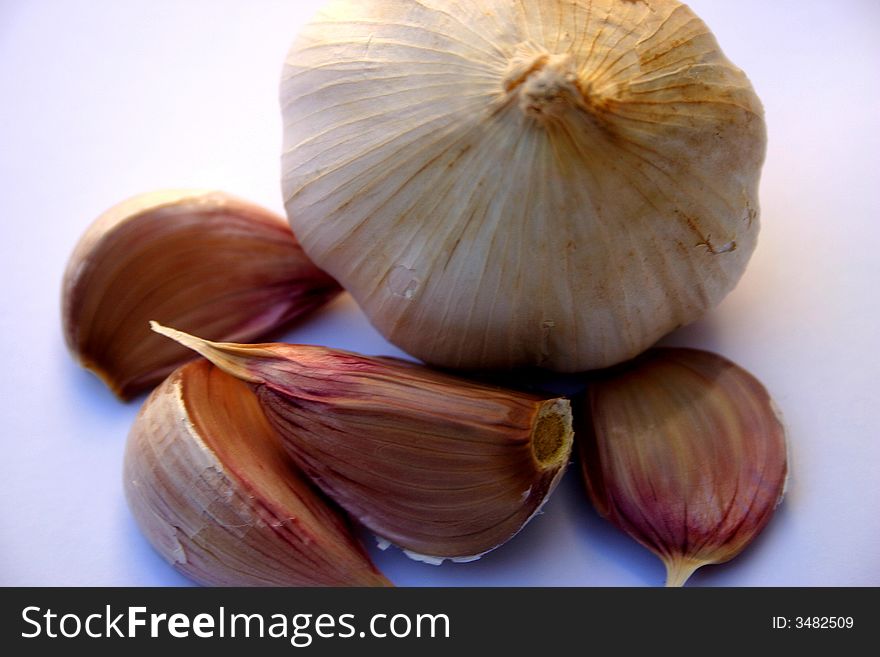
(100, 100)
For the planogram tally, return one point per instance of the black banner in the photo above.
(425, 621)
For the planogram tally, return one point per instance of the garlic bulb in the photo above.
(502, 184)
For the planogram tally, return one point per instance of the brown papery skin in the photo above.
(205, 261)
(684, 451)
(212, 489)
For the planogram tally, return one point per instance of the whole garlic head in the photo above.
(506, 184)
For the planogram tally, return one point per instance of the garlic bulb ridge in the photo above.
(510, 184)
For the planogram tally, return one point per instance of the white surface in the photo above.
(103, 99)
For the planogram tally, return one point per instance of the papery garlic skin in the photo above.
(210, 486)
(443, 467)
(684, 451)
(205, 260)
(501, 184)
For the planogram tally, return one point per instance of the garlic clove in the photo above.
(685, 452)
(510, 184)
(205, 261)
(438, 465)
(212, 489)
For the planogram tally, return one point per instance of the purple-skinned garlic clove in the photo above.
(684, 451)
